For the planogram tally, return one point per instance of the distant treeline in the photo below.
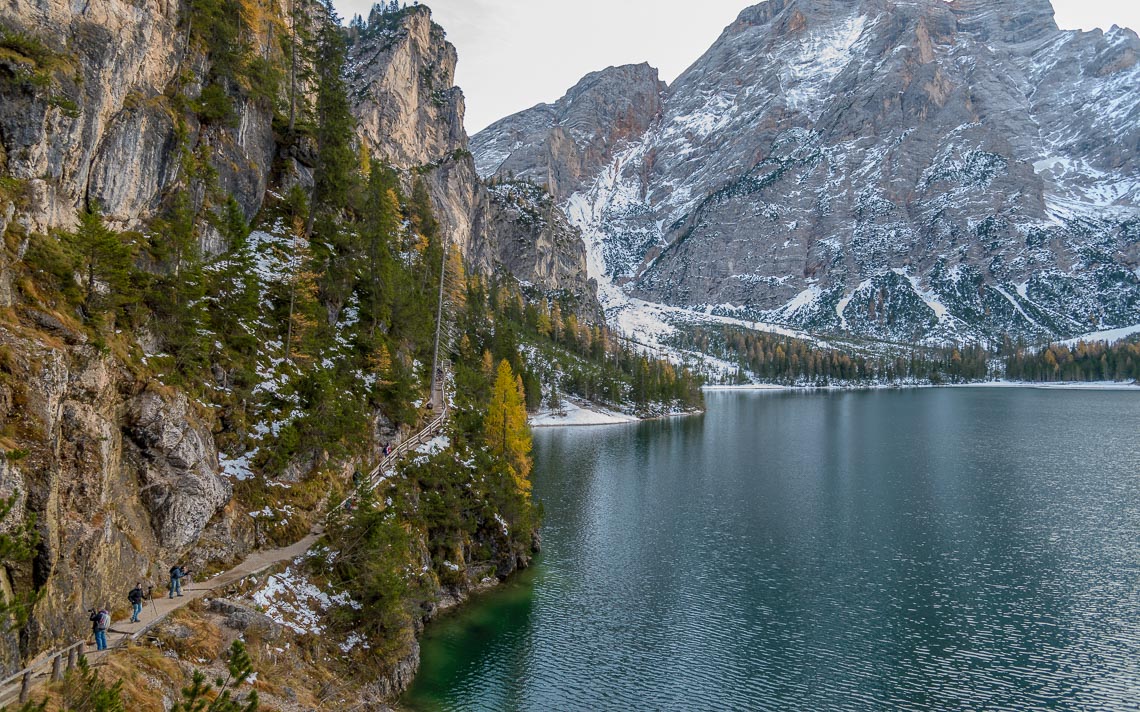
(788, 360)
(1083, 362)
(785, 359)
(568, 355)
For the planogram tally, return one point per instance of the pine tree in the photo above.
(380, 231)
(456, 287)
(505, 428)
(199, 697)
(336, 158)
(420, 211)
(104, 260)
(543, 323)
(371, 556)
(556, 321)
(233, 287)
(300, 321)
(18, 543)
(85, 691)
(335, 173)
(176, 294)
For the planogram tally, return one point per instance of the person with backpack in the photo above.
(177, 573)
(100, 622)
(136, 597)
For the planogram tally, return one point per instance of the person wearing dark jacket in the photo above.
(136, 597)
(100, 622)
(177, 573)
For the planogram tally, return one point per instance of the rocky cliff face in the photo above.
(534, 240)
(119, 472)
(566, 144)
(90, 117)
(923, 170)
(123, 478)
(410, 110)
(103, 104)
(411, 115)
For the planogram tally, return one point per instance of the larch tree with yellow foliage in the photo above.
(505, 428)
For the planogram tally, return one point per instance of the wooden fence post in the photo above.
(73, 656)
(25, 686)
(57, 668)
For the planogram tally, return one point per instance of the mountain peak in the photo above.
(558, 144)
(621, 74)
(900, 169)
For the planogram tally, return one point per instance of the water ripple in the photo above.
(951, 549)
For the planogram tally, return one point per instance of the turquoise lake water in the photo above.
(965, 548)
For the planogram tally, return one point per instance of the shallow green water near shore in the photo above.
(948, 548)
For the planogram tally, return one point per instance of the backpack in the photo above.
(175, 571)
(103, 622)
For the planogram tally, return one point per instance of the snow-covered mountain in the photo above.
(566, 144)
(900, 170)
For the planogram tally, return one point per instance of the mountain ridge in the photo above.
(411, 116)
(930, 170)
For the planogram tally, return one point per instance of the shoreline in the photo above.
(578, 415)
(1055, 385)
(1040, 385)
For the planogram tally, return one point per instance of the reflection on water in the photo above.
(959, 548)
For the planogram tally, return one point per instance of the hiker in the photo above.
(100, 622)
(136, 597)
(177, 573)
(356, 478)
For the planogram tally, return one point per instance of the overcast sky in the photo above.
(514, 54)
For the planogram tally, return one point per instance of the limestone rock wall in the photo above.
(566, 144)
(410, 111)
(122, 477)
(105, 129)
(411, 115)
(535, 241)
(119, 473)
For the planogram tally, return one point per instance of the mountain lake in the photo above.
(951, 548)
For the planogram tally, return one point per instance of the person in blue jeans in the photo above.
(100, 622)
(136, 597)
(177, 573)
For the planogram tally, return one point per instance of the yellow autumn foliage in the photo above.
(505, 427)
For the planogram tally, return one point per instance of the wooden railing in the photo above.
(49, 666)
(433, 428)
(376, 475)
